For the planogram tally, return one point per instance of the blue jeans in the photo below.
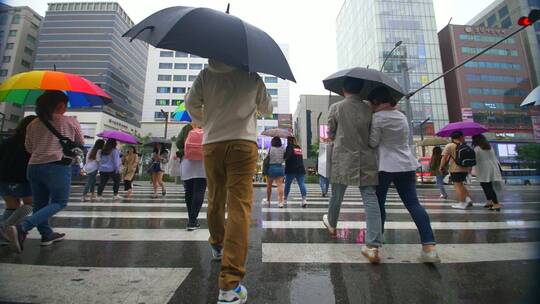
(373, 215)
(405, 183)
(50, 193)
(90, 183)
(440, 184)
(324, 183)
(289, 178)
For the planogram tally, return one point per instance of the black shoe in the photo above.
(324, 195)
(54, 237)
(193, 226)
(164, 193)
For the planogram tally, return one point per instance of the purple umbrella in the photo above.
(468, 128)
(120, 136)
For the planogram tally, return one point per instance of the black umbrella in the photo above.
(372, 80)
(213, 34)
(153, 140)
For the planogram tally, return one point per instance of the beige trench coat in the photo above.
(129, 166)
(354, 163)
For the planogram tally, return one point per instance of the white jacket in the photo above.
(224, 101)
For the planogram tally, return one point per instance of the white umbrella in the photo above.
(533, 98)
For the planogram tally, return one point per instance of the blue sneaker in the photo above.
(216, 252)
(234, 296)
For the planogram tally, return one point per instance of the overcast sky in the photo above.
(308, 26)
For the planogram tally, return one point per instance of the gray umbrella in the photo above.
(372, 80)
(153, 140)
(213, 34)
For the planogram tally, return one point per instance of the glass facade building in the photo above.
(367, 31)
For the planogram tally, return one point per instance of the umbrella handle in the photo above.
(149, 27)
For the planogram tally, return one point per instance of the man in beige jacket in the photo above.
(224, 101)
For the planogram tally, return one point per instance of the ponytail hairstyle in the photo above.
(47, 102)
(110, 145)
(97, 146)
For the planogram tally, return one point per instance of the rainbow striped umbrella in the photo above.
(180, 114)
(25, 88)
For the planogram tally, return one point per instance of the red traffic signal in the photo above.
(534, 15)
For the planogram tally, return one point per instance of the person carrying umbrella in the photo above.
(224, 101)
(91, 169)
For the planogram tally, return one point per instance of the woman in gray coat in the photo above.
(487, 170)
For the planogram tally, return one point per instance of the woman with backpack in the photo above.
(294, 169)
(190, 151)
(91, 168)
(49, 167)
(160, 158)
(434, 164)
(130, 162)
(275, 171)
(14, 186)
(109, 167)
(488, 170)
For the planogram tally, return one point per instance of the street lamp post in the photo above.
(166, 114)
(406, 84)
(390, 54)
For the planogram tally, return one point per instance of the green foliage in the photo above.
(312, 179)
(313, 152)
(530, 155)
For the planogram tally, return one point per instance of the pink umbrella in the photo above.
(120, 136)
(468, 128)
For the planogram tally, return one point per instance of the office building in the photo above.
(311, 119)
(504, 14)
(489, 89)
(366, 32)
(169, 76)
(19, 28)
(85, 38)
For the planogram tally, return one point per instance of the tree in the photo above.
(530, 155)
(313, 151)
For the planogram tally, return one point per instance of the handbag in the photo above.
(266, 165)
(70, 148)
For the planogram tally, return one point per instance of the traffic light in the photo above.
(534, 15)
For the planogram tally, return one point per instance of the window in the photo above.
(491, 20)
(6, 59)
(497, 92)
(484, 38)
(194, 56)
(12, 33)
(506, 150)
(192, 77)
(176, 102)
(166, 54)
(503, 12)
(493, 78)
(9, 46)
(165, 65)
(493, 65)
(195, 66)
(164, 77)
(493, 52)
(16, 19)
(31, 39)
(163, 89)
(25, 63)
(180, 66)
(179, 78)
(28, 51)
(162, 102)
(270, 79)
(159, 115)
(506, 23)
(14, 118)
(180, 54)
(3, 73)
(34, 26)
(178, 90)
(272, 91)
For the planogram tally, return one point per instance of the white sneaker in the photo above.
(84, 199)
(264, 201)
(234, 296)
(326, 223)
(99, 198)
(429, 257)
(117, 197)
(469, 200)
(443, 196)
(304, 203)
(372, 254)
(460, 205)
(281, 205)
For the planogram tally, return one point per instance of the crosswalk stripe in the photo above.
(517, 224)
(399, 211)
(111, 234)
(324, 253)
(122, 214)
(88, 284)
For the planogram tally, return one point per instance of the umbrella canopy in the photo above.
(372, 80)
(120, 136)
(153, 140)
(213, 34)
(433, 141)
(533, 99)
(25, 88)
(180, 113)
(468, 128)
(283, 133)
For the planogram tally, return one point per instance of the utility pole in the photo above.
(166, 114)
(407, 85)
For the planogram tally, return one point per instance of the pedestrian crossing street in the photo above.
(135, 244)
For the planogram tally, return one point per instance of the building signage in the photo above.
(117, 124)
(466, 114)
(285, 121)
(484, 30)
(536, 127)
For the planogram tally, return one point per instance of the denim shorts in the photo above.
(15, 189)
(276, 170)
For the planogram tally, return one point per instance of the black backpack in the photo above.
(465, 155)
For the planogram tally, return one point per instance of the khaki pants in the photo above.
(230, 167)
